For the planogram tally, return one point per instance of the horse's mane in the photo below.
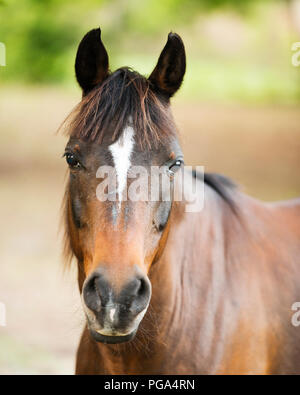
(223, 186)
(125, 96)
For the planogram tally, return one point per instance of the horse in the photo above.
(166, 290)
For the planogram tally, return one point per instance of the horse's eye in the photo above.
(71, 160)
(175, 166)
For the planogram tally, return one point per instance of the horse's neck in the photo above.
(193, 265)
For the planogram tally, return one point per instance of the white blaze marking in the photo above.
(121, 152)
(112, 314)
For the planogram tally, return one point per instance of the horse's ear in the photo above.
(169, 71)
(91, 64)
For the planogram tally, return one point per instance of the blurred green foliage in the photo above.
(41, 37)
(38, 36)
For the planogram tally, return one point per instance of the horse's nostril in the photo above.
(91, 295)
(137, 288)
(96, 292)
(141, 297)
(142, 287)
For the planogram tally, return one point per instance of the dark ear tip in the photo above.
(93, 34)
(174, 37)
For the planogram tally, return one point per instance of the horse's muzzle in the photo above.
(114, 317)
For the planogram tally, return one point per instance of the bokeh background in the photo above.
(238, 113)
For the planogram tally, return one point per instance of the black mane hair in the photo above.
(222, 185)
(124, 96)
